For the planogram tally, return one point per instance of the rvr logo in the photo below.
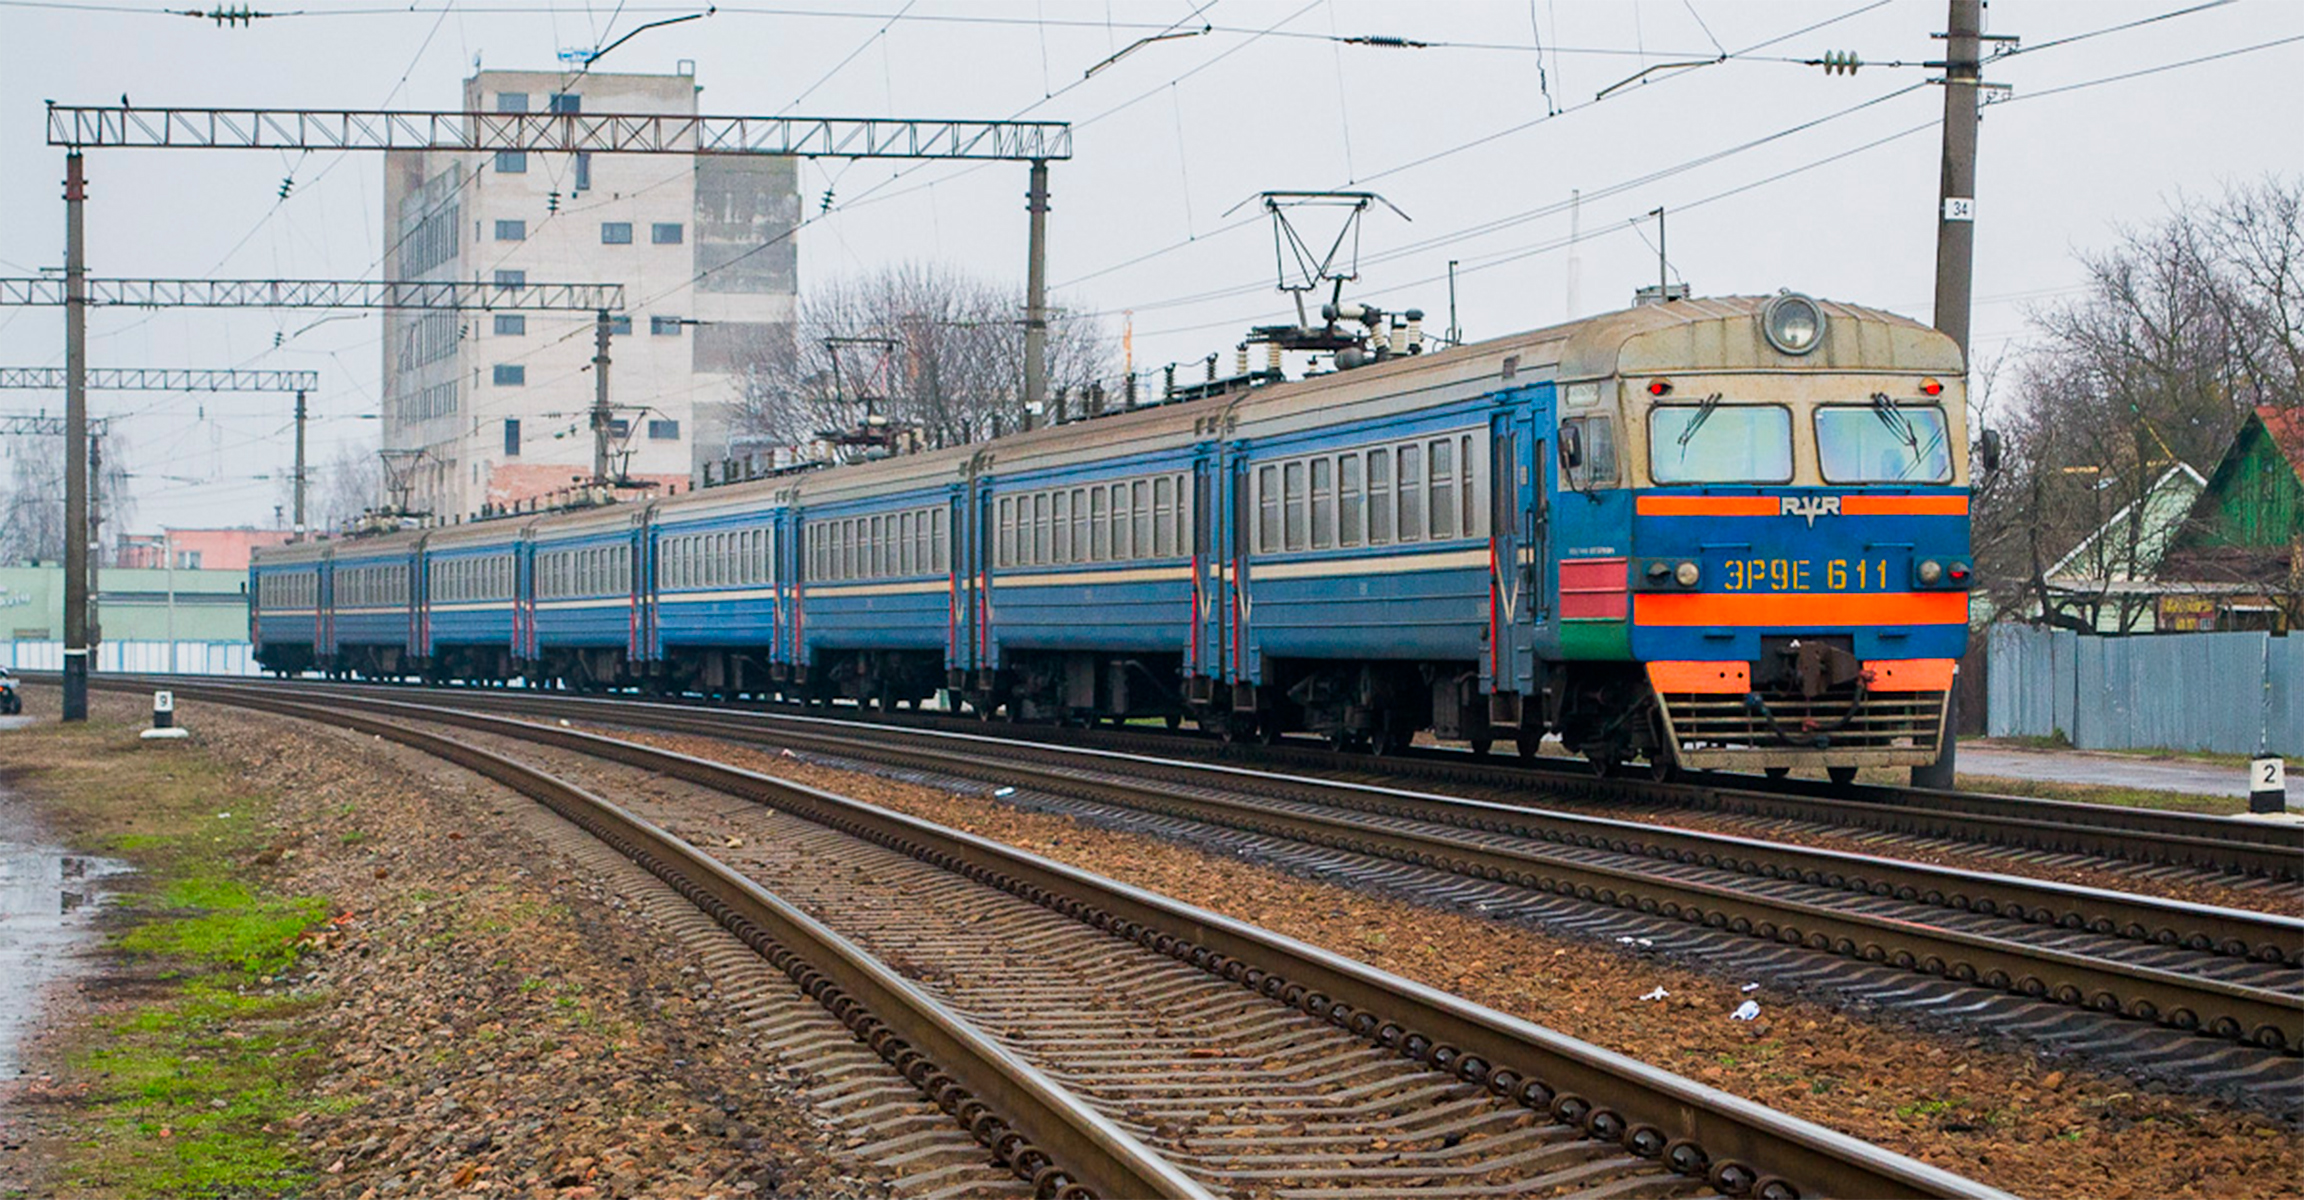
(1811, 507)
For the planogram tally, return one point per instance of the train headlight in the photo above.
(1931, 572)
(1686, 574)
(1793, 323)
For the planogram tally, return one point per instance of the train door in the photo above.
(1516, 544)
(524, 598)
(1203, 660)
(420, 601)
(1518, 522)
(959, 596)
(640, 582)
(790, 561)
(324, 620)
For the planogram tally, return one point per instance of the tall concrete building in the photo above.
(498, 404)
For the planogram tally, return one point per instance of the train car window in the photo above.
(1350, 522)
(1466, 489)
(1323, 503)
(1140, 517)
(939, 541)
(1883, 442)
(1267, 509)
(1292, 498)
(1099, 524)
(908, 543)
(1379, 497)
(1080, 522)
(1039, 556)
(1164, 516)
(1004, 549)
(1442, 455)
(1716, 443)
(1408, 520)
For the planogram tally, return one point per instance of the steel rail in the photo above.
(2139, 835)
(2265, 937)
(1738, 1146)
(2269, 1019)
(1029, 1121)
(2231, 932)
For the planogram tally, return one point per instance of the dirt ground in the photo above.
(1991, 1112)
(456, 1011)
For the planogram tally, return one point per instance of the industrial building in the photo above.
(489, 409)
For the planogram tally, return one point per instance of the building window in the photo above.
(511, 231)
(511, 437)
(511, 102)
(664, 326)
(511, 162)
(188, 560)
(511, 278)
(511, 324)
(511, 375)
(663, 430)
(665, 233)
(583, 170)
(566, 102)
(620, 326)
(615, 233)
(619, 427)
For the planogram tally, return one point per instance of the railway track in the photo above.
(1106, 1041)
(2160, 842)
(2216, 989)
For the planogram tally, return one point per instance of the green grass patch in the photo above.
(187, 1092)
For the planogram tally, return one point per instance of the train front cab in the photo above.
(1796, 582)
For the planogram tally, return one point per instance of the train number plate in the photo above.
(1803, 575)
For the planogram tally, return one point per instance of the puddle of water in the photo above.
(48, 904)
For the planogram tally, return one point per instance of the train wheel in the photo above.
(1175, 721)
(1605, 765)
(1529, 743)
(1778, 772)
(1481, 745)
(1840, 774)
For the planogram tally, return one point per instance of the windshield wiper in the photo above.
(1899, 425)
(1704, 410)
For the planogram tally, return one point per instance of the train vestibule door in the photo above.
(1518, 529)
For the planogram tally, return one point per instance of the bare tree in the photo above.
(350, 484)
(953, 367)
(2184, 326)
(32, 499)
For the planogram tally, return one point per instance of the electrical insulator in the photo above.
(552, 202)
(1841, 62)
(287, 185)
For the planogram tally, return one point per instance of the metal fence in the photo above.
(2223, 692)
(139, 657)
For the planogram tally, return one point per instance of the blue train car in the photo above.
(1084, 571)
(372, 603)
(470, 601)
(875, 610)
(286, 611)
(588, 595)
(719, 591)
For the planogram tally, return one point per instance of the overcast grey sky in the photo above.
(1461, 135)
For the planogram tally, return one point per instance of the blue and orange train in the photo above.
(1717, 533)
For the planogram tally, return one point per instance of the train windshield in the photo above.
(1716, 443)
(1883, 442)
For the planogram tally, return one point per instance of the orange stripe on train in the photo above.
(1810, 609)
(1770, 506)
(1709, 506)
